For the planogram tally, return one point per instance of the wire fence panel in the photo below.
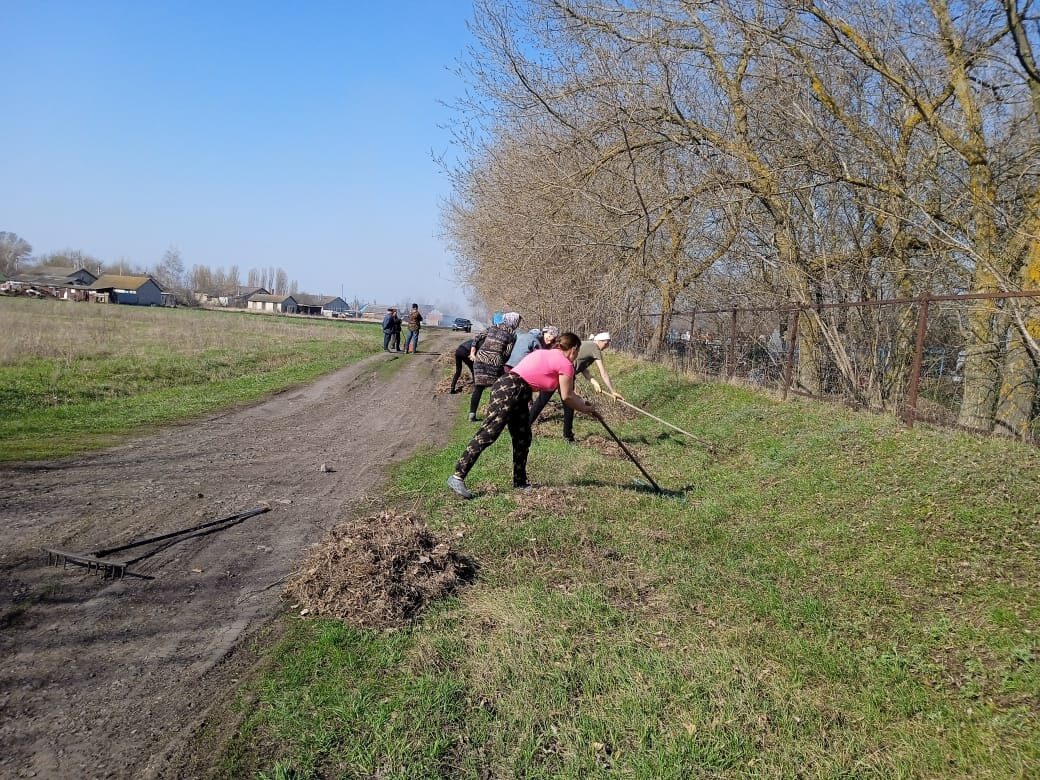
(970, 361)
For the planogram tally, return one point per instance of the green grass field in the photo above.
(76, 376)
(831, 595)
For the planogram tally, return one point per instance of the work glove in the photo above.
(595, 386)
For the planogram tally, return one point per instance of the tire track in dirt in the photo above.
(111, 680)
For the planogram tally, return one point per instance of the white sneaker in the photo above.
(456, 484)
(472, 417)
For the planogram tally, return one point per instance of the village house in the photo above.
(273, 304)
(129, 290)
(233, 298)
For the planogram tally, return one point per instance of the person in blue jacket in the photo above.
(525, 344)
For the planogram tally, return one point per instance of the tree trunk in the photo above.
(1018, 387)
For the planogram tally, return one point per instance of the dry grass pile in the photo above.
(465, 383)
(607, 447)
(379, 572)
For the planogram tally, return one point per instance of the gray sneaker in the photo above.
(472, 417)
(456, 484)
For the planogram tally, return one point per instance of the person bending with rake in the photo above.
(589, 352)
(543, 370)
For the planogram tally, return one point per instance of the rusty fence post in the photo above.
(732, 357)
(915, 372)
(792, 339)
(689, 343)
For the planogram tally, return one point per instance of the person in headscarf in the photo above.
(543, 370)
(549, 335)
(488, 353)
(525, 344)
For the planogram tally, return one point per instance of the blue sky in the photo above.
(293, 135)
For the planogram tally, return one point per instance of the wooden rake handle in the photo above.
(631, 457)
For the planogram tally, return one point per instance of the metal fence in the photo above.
(907, 355)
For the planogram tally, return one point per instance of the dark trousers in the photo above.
(387, 336)
(568, 413)
(461, 359)
(539, 403)
(397, 341)
(510, 397)
(474, 399)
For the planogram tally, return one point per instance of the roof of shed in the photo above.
(115, 281)
(272, 298)
(316, 300)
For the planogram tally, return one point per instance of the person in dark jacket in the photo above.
(396, 344)
(489, 352)
(462, 358)
(388, 327)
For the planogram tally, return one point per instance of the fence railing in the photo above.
(968, 360)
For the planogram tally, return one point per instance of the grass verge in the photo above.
(831, 595)
(76, 377)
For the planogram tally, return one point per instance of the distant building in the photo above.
(431, 316)
(68, 283)
(129, 290)
(233, 298)
(375, 311)
(321, 305)
(273, 304)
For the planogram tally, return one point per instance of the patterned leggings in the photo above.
(510, 396)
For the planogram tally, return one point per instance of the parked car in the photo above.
(461, 323)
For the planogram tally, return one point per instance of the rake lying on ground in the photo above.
(94, 564)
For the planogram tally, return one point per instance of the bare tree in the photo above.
(169, 271)
(14, 251)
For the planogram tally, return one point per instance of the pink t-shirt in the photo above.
(542, 369)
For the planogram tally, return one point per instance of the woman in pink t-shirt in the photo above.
(543, 370)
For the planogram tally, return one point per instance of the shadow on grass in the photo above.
(636, 486)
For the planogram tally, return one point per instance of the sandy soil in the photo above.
(113, 679)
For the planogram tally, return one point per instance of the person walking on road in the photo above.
(590, 351)
(462, 358)
(415, 319)
(489, 352)
(544, 370)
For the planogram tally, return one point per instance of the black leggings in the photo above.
(461, 358)
(539, 403)
(510, 397)
(474, 399)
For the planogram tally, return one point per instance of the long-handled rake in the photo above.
(94, 564)
(631, 457)
(709, 446)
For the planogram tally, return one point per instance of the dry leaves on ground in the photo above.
(379, 572)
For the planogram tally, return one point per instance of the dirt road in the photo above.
(110, 680)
